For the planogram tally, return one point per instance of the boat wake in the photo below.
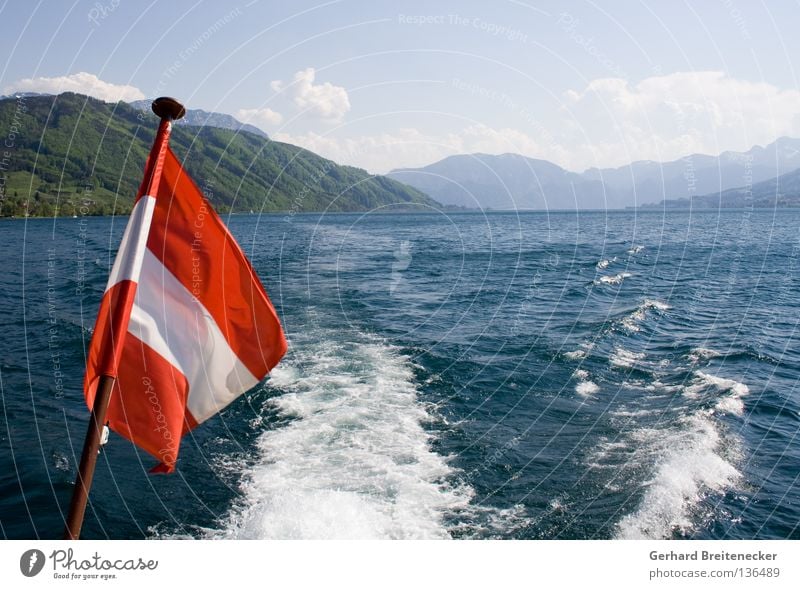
(688, 452)
(693, 463)
(355, 461)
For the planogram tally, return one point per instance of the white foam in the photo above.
(658, 386)
(484, 522)
(730, 391)
(603, 264)
(691, 467)
(633, 412)
(699, 354)
(586, 388)
(732, 405)
(624, 358)
(615, 279)
(606, 454)
(575, 355)
(635, 249)
(654, 304)
(356, 461)
(655, 386)
(632, 322)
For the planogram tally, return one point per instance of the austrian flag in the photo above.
(185, 326)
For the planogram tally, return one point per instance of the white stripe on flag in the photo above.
(172, 322)
(128, 263)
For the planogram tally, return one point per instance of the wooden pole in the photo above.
(167, 109)
(91, 448)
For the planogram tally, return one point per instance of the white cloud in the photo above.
(323, 101)
(261, 117)
(666, 117)
(81, 83)
(609, 123)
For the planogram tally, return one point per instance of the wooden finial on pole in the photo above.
(168, 108)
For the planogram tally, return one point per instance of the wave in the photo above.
(729, 393)
(615, 279)
(575, 355)
(603, 264)
(656, 387)
(355, 462)
(701, 354)
(625, 359)
(632, 322)
(692, 466)
(635, 249)
(585, 387)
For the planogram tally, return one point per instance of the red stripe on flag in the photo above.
(148, 405)
(193, 243)
(108, 339)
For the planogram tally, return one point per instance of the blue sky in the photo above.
(392, 84)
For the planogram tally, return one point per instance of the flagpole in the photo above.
(168, 110)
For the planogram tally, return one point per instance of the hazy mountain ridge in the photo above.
(781, 192)
(511, 181)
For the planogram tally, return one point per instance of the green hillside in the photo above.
(62, 153)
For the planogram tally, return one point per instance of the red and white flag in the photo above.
(184, 326)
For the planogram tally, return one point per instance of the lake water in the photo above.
(499, 375)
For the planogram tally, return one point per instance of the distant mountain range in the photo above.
(196, 117)
(508, 181)
(70, 149)
(781, 192)
(247, 167)
(513, 181)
